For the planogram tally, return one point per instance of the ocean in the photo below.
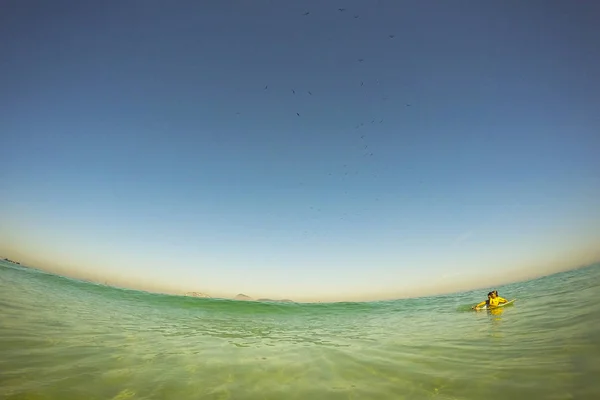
(62, 338)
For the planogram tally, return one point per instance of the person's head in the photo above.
(495, 293)
(490, 294)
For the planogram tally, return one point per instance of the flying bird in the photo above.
(356, 16)
(341, 9)
(266, 87)
(309, 93)
(293, 91)
(391, 36)
(298, 114)
(306, 13)
(362, 83)
(361, 60)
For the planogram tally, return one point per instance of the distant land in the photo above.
(243, 297)
(240, 296)
(277, 301)
(197, 294)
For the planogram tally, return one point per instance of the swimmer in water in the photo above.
(492, 301)
(500, 299)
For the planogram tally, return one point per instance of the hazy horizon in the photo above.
(492, 282)
(293, 150)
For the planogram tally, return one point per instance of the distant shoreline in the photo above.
(243, 297)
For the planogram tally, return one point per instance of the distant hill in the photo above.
(248, 298)
(197, 294)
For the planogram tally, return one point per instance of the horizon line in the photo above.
(265, 299)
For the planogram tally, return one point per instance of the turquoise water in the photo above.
(65, 339)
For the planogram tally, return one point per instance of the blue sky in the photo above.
(232, 147)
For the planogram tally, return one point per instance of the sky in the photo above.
(340, 150)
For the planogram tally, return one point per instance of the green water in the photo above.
(65, 339)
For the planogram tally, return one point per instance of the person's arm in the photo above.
(502, 300)
(480, 304)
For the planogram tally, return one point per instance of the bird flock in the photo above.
(360, 126)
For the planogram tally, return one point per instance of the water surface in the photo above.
(65, 339)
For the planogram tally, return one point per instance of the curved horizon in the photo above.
(421, 292)
(261, 149)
